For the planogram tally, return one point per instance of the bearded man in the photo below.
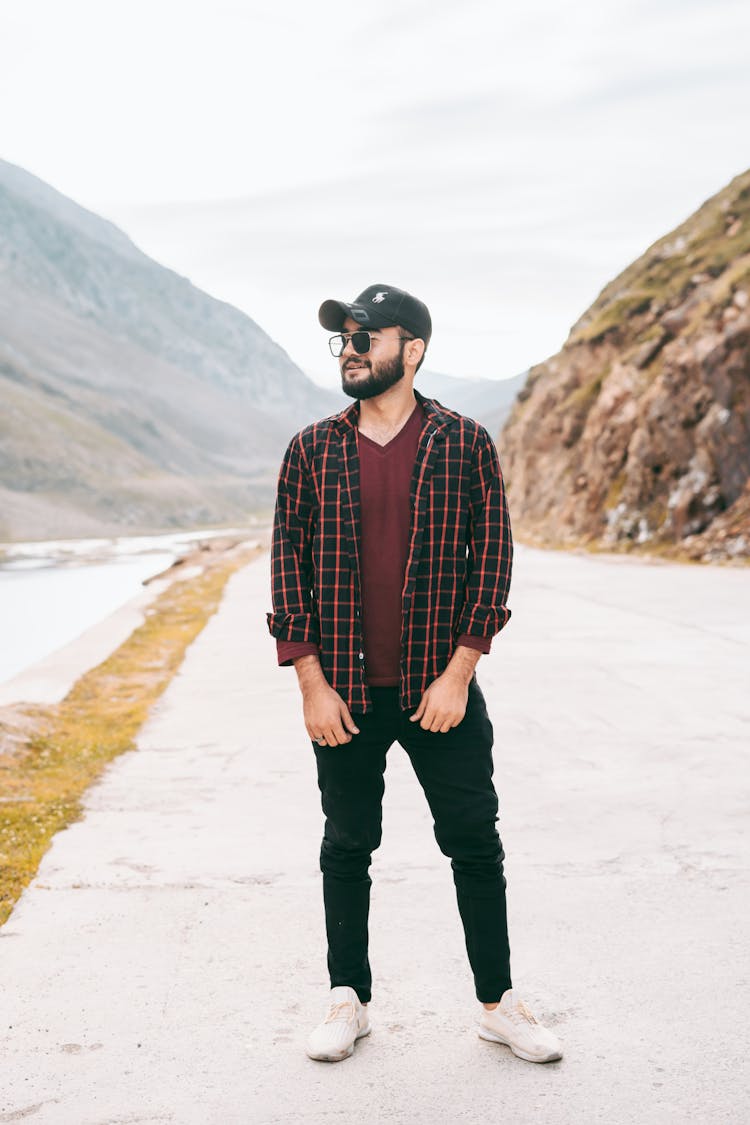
(391, 564)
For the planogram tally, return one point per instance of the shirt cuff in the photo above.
(479, 644)
(288, 651)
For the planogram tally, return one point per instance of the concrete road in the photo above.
(169, 960)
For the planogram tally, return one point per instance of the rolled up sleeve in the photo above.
(489, 547)
(294, 617)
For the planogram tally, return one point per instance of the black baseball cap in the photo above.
(379, 306)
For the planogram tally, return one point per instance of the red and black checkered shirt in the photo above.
(460, 553)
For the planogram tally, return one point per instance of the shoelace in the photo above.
(519, 1009)
(344, 1010)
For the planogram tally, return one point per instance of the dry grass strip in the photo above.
(50, 755)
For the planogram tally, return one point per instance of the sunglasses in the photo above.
(361, 342)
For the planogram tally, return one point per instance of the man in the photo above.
(391, 564)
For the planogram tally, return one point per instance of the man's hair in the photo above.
(411, 337)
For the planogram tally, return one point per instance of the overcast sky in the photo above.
(501, 161)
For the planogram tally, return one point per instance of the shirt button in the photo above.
(361, 656)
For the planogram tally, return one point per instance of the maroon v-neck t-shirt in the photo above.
(385, 473)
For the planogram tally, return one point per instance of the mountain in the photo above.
(636, 435)
(131, 400)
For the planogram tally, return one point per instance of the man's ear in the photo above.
(414, 351)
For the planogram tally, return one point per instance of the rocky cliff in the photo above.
(636, 435)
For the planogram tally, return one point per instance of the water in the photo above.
(52, 592)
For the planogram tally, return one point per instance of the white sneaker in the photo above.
(512, 1023)
(347, 1021)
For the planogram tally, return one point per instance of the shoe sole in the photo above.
(491, 1037)
(343, 1054)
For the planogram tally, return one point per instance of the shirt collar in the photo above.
(434, 412)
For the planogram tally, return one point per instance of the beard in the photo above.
(381, 377)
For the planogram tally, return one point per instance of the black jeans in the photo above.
(455, 772)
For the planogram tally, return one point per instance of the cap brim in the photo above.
(332, 315)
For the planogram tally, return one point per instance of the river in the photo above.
(50, 592)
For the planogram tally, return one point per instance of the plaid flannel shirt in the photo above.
(460, 553)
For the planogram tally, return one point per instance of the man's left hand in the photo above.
(443, 704)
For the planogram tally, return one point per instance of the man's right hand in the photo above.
(327, 717)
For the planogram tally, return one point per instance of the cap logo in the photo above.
(379, 297)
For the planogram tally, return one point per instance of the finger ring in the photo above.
(320, 741)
